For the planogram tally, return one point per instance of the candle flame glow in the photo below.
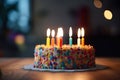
(79, 32)
(48, 32)
(57, 33)
(60, 32)
(82, 32)
(70, 32)
(53, 33)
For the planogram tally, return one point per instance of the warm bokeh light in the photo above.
(53, 33)
(70, 31)
(82, 32)
(98, 3)
(108, 14)
(79, 32)
(19, 39)
(48, 32)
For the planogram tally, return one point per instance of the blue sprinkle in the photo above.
(40, 52)
(67, 52)
(55, 49)
(51, 67)
(63, 64)
(69, 61)
(74, 65)
(51, 57)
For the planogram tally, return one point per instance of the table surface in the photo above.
(12, 69)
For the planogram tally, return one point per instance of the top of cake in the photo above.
(87, 47)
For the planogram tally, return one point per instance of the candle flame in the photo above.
(82, 32)
(48, 32)
(57, 33)
(53, 33)
(79, 32)
(70, 32)
(60, 32)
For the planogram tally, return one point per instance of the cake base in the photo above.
(31, 67)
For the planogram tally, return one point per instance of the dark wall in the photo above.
(103, 34)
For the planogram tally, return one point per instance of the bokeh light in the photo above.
(13, 15)
(97, 3)
(19, 39)
(108, 14)
(24, 13)
(10, 2)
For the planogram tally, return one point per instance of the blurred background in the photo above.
(23, 24)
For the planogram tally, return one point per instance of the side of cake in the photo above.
(64, 58)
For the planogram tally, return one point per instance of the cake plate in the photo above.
(31, 67)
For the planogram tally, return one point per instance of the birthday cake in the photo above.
(64, 58)
(61, 56)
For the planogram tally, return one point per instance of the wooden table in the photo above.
(11, 69)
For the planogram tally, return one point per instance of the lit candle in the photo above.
(57, 37)
(78, 40)
(60, 35)
(53, 39)
(48, 39)
(70, 36)
(82, 34)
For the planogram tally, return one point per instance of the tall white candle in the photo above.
(70, 36)
(78, 40)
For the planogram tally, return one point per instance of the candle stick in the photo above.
(60, 42)
(48, 39)
(57, 37)
(78, 40)
(60, 35)
(70, 36)
(53, 39)
(82, 34)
